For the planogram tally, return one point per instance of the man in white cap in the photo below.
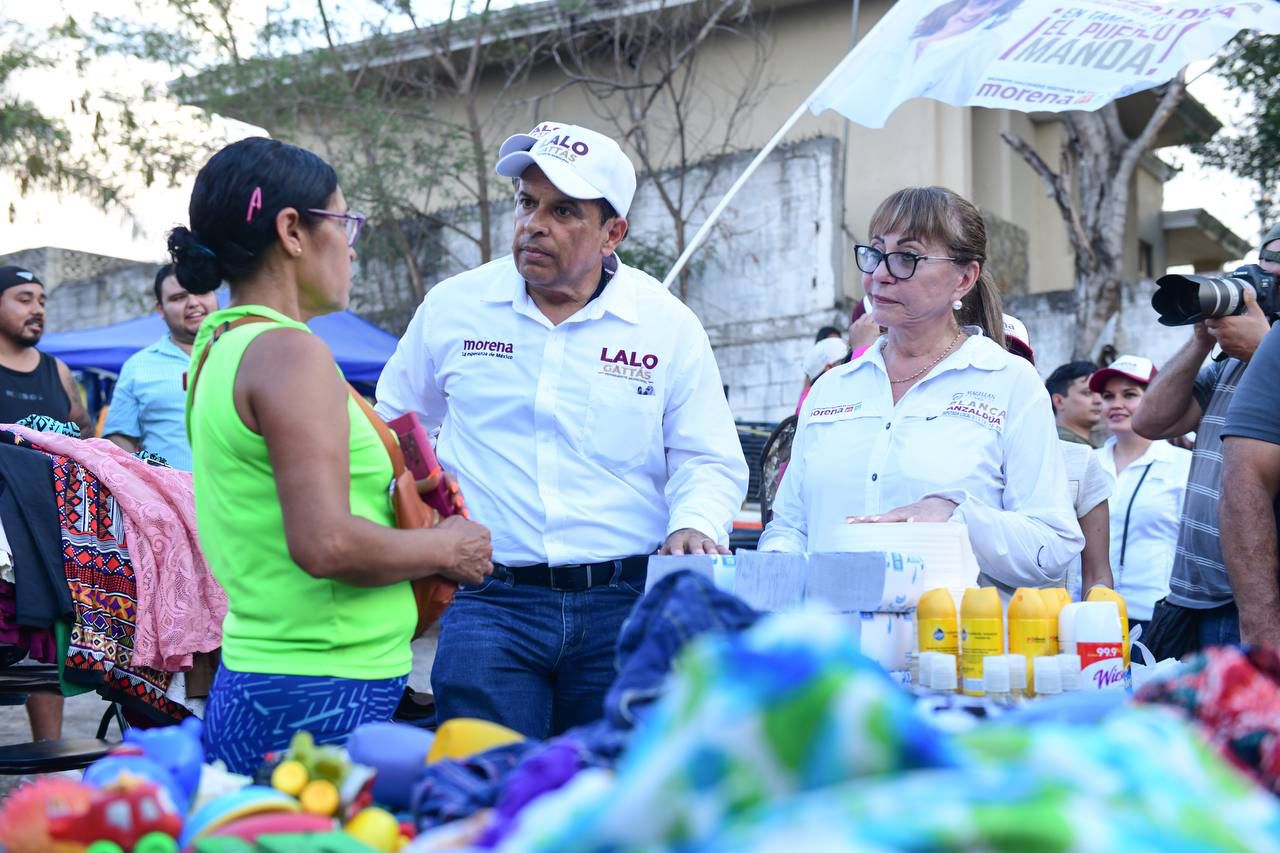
(579, 405)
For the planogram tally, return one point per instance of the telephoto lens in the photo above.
(1182, 300)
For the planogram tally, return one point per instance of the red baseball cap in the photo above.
(1133, 367)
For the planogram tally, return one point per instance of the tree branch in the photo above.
(1059, 191)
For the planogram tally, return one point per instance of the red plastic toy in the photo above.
(122, 815)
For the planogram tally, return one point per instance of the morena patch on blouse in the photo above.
(839, 412)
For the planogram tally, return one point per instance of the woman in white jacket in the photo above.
(936, 422)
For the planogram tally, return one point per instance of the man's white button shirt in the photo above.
(579, 442)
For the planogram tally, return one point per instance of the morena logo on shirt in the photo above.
(835, 413)
(492, 349)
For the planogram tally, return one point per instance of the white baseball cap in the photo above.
(525, 141)
(580, 162)
(1016, 331)
(1133, 367)
(824, 352)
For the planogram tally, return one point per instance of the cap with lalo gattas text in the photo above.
(580, 163)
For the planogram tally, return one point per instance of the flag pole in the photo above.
(705, 228)
(733, 190)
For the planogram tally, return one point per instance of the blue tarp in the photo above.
(360, 348)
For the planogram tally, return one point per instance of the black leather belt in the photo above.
(576, 578)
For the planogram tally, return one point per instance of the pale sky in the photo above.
(47, 220)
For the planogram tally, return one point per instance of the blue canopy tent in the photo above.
(360, 348)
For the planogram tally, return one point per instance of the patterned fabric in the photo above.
(249, 714)
(44, 423)
(180, 606)
(784, 738)
(152, 458)
(1235, 696)
(100, 575)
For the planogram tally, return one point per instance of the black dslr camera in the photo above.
(1182, 300)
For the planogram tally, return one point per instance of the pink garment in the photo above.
(180, 605)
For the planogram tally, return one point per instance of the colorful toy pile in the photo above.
(154, 794)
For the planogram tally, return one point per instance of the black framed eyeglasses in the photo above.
(901, 265)
(351, 222)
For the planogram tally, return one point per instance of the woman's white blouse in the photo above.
(978, 429)
(1154, 513)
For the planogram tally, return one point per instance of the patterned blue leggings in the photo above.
(250, 714)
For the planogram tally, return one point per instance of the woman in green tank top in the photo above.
(291, 479)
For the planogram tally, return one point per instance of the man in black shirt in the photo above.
(31, 382)
(34, 383)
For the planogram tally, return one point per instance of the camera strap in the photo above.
(1124, 540)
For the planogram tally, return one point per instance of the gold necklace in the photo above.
(922, 371)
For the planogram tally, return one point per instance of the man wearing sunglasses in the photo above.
(579, 405)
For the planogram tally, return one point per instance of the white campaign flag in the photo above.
(1029, 55)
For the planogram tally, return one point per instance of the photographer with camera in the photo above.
(1200, 609)
(1251, 484)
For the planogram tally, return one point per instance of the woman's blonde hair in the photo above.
(938, 215)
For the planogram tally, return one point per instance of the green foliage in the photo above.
(89, 145)
(1251, 67)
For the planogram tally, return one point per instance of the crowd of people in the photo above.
(577, 406)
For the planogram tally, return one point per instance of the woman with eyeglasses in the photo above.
(291, 477)
(936, 421)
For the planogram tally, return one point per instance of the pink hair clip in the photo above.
(255, 203)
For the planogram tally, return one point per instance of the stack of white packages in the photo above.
(875, 585)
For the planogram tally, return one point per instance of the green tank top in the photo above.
(281, 620)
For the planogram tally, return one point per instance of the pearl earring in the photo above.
(957, 305)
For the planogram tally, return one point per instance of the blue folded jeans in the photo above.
(528, 657)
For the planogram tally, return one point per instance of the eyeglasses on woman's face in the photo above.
(351, 222)
(901, 265)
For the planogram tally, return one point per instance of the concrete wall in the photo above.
(85, 290)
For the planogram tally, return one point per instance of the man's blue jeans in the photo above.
(528, 657)
(1219, 626)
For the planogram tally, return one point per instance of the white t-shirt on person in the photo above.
(1090, 485)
